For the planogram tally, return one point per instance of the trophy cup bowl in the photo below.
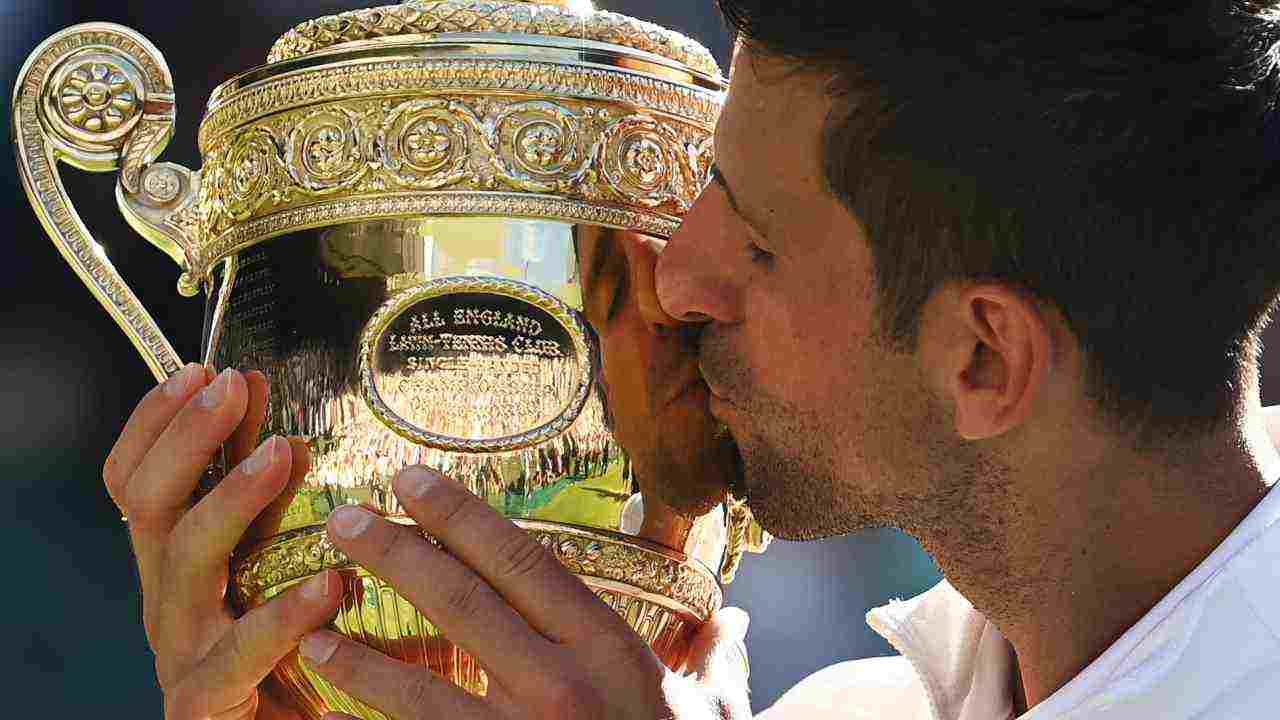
(387, 223)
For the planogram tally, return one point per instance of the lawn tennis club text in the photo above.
(423, 338)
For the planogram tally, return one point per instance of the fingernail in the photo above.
(318, 647)
(349, 521)
(316, 588)
(181, 382)
(258, 461)
(416, 482)
(213, 395)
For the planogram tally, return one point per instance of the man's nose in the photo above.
(693, 281)
(642, 257)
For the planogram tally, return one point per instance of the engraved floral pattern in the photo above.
(542, 146)
(325, 151)
(162, 184)
(587, 554)
(644, 162)
(98, 97)
(427, 144)
(539, 145)
(577, 158)
(244, 180)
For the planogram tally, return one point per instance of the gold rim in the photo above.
(619, 563)
(459, 16)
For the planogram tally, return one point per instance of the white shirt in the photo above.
(1209, 649)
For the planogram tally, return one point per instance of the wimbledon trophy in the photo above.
(393, 222)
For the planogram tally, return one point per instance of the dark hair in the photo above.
(1115, 159)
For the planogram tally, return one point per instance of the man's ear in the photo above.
(992, 352)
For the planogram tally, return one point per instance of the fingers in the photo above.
(531, 580)
(401, 690)
(453, 597)
(269, 521)
(246, 437)
(152, 415)
(159, 491)
(253, 646)
(208, 534)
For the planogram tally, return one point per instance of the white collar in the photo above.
(966, 666)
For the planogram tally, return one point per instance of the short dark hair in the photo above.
(1115, 159)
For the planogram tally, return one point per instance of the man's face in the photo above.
(656, 396)
(833, 426)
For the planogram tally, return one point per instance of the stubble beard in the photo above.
(784, 461)
(895, 462)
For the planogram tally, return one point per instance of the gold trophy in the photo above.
(389, 223)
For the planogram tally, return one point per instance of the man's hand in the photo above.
(550, 647)
(209, 664)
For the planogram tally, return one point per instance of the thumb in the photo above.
(718, 655)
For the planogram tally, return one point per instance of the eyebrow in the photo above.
(718, 178)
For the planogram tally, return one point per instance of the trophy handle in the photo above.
(744, 536)
(99, 97)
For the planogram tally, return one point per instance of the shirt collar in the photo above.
(966, 666)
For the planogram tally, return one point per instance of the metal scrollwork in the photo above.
(511, 16)
(644, 164)
(579, 153)
(425, 143)
(246, 179)
(327, 150)
(99, 97)
(592, 555)
(542, 146)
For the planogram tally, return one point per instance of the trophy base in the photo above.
(662, 595)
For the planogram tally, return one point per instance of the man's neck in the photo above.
(1088, 548)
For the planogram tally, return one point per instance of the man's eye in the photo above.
(619, 297)
(759, 254)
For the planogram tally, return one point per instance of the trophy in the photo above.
(390, 222)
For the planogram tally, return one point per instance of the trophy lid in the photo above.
(548, 18)
(544, 110)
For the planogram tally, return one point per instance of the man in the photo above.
(1001, 286)
(994, 275)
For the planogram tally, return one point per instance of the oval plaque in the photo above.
(475, 364)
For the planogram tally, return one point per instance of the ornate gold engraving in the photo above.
(656, 573)
(231, 107)
(100, 95)
(90, 84)
(662, 596)
(433, 18)
(744, 535)
(576, 160)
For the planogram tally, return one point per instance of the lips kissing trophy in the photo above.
(385, 224)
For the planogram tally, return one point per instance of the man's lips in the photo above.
(711, 389)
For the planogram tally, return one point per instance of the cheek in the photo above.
(811, 335)
(625, 360)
